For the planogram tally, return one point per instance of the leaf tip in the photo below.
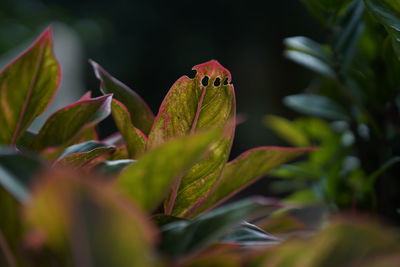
(213, 68)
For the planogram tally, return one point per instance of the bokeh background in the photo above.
(149, 44)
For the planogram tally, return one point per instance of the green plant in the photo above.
(354, 108)
(179, 158)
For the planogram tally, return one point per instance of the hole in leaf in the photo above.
(204, 81)
(226, 81)
(217, 82)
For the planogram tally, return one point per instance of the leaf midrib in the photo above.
(29, 95)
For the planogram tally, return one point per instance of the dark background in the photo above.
(149, 44)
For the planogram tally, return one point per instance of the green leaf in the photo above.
(113, 167)
(249, 234)
(16, 173)
(112, 231)
(141, 115)
(183, 237)
(27, 86)
(315, 105)
(310, 54)
(245, 170)
(81, 154)
(192, 105)
(148, 180)
(287, 130)
(387, 13)
(134, 138)
(68, 122)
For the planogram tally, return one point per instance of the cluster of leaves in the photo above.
(352, 106)
(144, 196)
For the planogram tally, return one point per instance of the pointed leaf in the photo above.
(68, 122)
(249, 234)
(134, 138)
(316, 105)
(27, 86)
(245, 170)
(192, 105)
(141, 115)
(148, 180)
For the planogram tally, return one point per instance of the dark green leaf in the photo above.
(315, 105)
(249, 234)
(16, 173)
(140, 114)
(113, 167)
(183, 237)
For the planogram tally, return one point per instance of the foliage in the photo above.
(354, 105)
(150, 194)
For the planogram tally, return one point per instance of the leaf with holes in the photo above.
(68, 122)
(27, 86)
(245, 170)
(141, 115)
(204, 102)
(149, 179)
(134, 138)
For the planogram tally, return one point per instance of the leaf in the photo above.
(249, 234)
(315, 105)
(141, 115)
(81, 154)
(189, 107)
(113, 167)
(89, 223)
(135, 140)
(287, 130)
(148, 180)
(16, 173)
(27, 86)
(68, 122)
(184, 237)
(245, 170)
(310, 54)
(387, 13)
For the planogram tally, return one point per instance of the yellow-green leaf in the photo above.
(27, 86)
(134, 138)
(68, 122)
(245, 170)
(148, 180)
(204, 102)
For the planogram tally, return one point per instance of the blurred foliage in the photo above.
(354, 106)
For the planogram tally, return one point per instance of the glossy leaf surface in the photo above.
(141, 115)
(149, 179)
(183, 237)
(27, 86)
(68, 122)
